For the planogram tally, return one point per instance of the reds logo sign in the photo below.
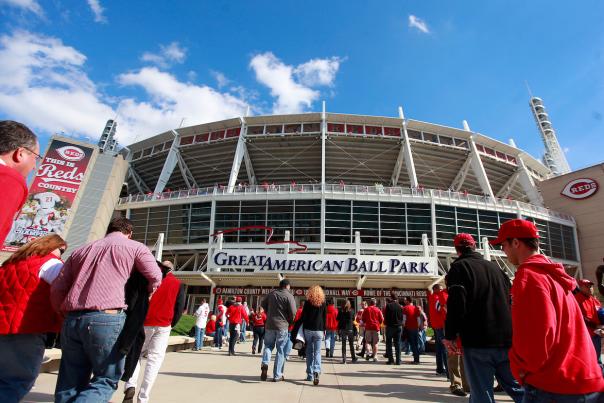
(71, 153)
(580, 188)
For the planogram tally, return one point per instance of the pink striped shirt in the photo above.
(95, 274)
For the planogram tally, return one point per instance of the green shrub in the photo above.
(183, 326)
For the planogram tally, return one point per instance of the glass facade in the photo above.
(378, 223)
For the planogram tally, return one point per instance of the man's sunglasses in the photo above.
(38, 156)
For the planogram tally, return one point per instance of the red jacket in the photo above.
(412, 314)
(298, 316)
(551, 347)
(25, 299)
(589, 309)
(331, 323)
(13, 200)
(236, 314)
(438, 313)
(162, 304)
(211, 326)
(259, 319)
(372, 317)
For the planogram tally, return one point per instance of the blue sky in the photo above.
(69, 66)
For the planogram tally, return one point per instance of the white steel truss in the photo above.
(405, 155)
(477, 167)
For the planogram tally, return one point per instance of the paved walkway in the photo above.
(188, 376)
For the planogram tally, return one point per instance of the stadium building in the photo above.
(367, 203)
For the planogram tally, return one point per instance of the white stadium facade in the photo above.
(375, 201)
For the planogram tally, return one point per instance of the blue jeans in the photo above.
(243, 329)
(199, 333)
(22, 356)
(481, 366)
(597, 341)
(413, 335)
(422, 341)
(330, 341)
(289, 345)
(441, 352)
(314, 339)
(218, 336)
(88, 345)
(533, 395)
(275, 339)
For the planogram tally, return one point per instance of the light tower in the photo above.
(107, 144)
(554, 157)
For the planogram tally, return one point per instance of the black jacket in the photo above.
(345, 320)
(393, 314)
(314, 318)
(478, 308)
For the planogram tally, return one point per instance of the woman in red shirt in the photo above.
(258, 320)
(26, 312)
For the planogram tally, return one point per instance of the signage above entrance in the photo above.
(580, 188)
(267, 261)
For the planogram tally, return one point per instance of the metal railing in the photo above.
(439, 195)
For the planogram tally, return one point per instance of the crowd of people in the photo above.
(112, 304)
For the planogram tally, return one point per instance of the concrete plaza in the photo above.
(208, 375)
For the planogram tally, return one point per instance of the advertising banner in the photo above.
(330, 292)
(51, 194)
(269, 261)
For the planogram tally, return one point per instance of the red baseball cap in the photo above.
(464, 239)
(515, 229)
(585, 282)
(238, 299)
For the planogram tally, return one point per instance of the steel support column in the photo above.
(477, 167)
(528, 184)
(138, 181)
(405, 155)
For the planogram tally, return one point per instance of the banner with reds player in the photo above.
(51, 194)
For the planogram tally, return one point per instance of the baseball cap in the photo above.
(464, 239)
(585, 282)
(238, 299)
(515, 229)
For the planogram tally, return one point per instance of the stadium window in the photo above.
(147, 151)
(255, 130)
(158, 222)
(137, 155)
(202, 138)
(178, 224)
(445, 225)
(335, 128)
(311, 127)
(467, 221)
(234, 132)
(489, 151)
(419, 221)
(568, 242)
(200, 222)
(354, 129)
(252, 213)
(307, 220)
(500, 155)
(227, 217)
(184, 141)
(461, 143)
(433, 138)
(139, 220)
(293, 128)
(337, 221)
(392, 131)
(448, 141)
(217, 135)
(480, 148)
(365, 219)
(555, 240)
(412, 134)
(488, 223)
(274, 129)
(280, 217)
(373, 130)
(512, 159)
(392, 223)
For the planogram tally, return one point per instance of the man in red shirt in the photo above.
(372, 318)
(411, 314)
(165, 309)
(589, 306)
(437, 301)
(551, 352)
(19, 151)
(236, 314)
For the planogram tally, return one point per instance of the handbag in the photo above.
(297, 336)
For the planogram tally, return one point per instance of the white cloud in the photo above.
(418, 23)
(43, 84)
(97, 10)
(30, 5)
(221, 79)
(291, 86)
(168, 55)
